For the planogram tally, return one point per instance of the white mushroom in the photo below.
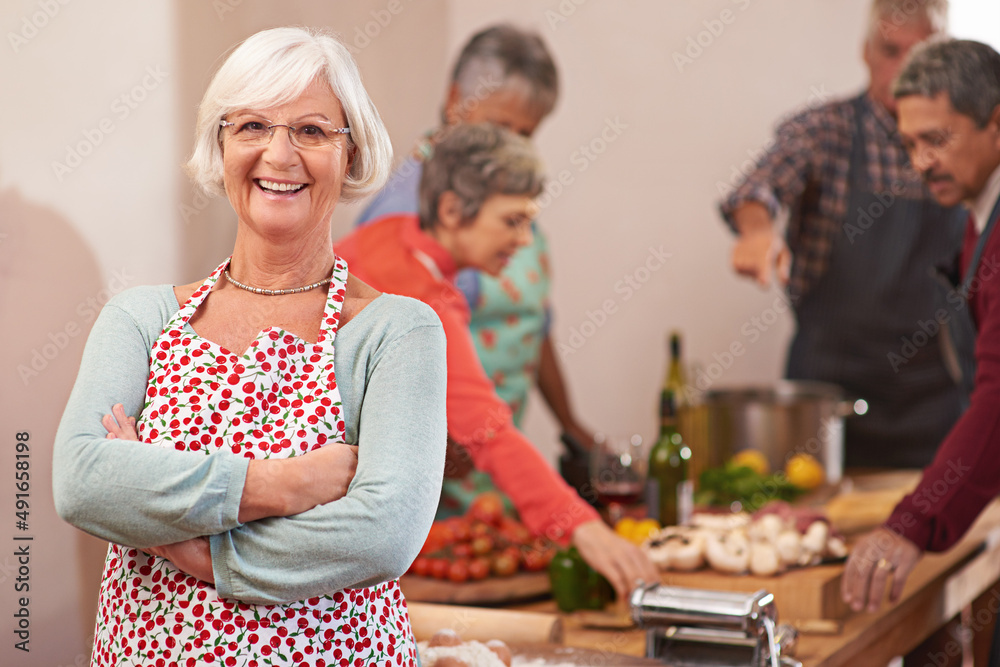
(728, 552)
(764, 559)
(835, 548)
(814, 543)
(789, 545)
(687, 553)
(673, 548)
(766, 528)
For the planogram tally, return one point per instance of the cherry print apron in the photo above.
(277, 399)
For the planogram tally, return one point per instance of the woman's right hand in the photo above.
(622, 563)
(329, 472)
(283, 487)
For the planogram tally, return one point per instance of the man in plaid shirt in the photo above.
(861, 239)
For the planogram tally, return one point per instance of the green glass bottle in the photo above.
(669, 490)
(675, 382)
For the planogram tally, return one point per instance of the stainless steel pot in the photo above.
(781, 420)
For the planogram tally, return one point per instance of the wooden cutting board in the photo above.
(493, 590)
(802, 594)
(867, 501)
(810, 594)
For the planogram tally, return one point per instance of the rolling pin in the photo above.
(473, 623)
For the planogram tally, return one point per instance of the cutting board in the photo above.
(812, 594)
(493, 590)
(866, 501)
(802, 594)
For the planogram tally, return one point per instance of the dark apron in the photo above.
(877, 294)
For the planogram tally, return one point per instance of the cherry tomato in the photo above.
(460, 528)
(421, 567)
(480, 529)
(439, 568)
(462, 550)
(482, 545)
(479, 568)
(459, 571)
(487, 507)
(504, 564)
(514, 531)
(533, 559)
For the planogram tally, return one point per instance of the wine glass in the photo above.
(618, 472)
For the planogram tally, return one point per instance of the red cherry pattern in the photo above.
(277, 399)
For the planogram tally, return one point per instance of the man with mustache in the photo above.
(949, 120)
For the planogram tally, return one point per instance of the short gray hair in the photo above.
(969, 72)
(273, 67)
(475, 161)
(886, 15)
(502, 56)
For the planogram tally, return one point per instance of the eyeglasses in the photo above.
(254, 131)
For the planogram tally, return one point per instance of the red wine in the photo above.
(620, 493)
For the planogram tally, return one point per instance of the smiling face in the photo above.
(502, 226)
(885, 52)
(277, 189)
(952, 154)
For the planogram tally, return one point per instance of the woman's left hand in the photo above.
(119, 425)
(193, 557)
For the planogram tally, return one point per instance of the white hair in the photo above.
(273, 67)
(887, 15)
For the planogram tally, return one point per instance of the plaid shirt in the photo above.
(806, 169)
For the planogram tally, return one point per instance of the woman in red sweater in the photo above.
(476, 207)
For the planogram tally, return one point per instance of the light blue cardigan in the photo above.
(390, 366)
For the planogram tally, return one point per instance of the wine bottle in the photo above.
(669, 490)
(675, 381)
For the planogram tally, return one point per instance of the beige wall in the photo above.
(126, 215)
(87, 173)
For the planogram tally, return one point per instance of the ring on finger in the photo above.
(884, 564)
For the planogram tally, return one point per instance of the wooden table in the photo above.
(939, 587)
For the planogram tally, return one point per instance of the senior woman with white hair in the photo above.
(250, 532)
